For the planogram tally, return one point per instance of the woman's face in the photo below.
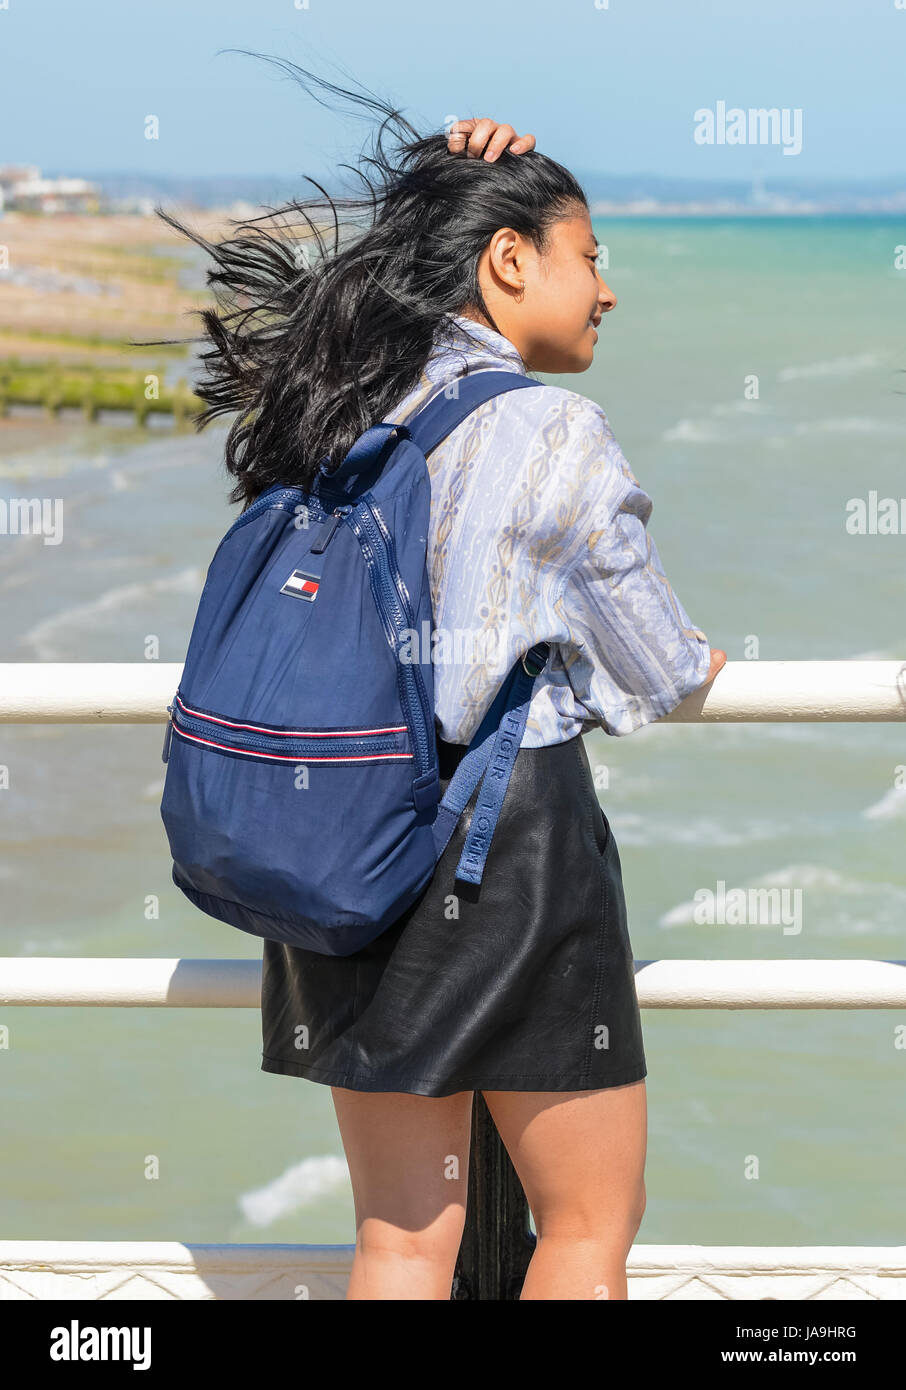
(564, 299)
(549, 302)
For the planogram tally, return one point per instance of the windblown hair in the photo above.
(328, 308)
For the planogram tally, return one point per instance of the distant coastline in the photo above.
(649, 208)
(610, 195)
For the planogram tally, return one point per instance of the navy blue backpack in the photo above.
(302, 798)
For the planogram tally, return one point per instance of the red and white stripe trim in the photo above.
(291, 758)
(290, 733)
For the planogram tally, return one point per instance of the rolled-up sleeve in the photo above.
(633, 653)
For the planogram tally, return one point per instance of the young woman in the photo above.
(474, 253)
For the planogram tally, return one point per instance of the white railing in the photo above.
(156, 1269)
(776, 691)
(660, 984)
(744, 692)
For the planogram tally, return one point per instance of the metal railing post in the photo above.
(497, 1243)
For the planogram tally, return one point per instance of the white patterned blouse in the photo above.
(538, 534)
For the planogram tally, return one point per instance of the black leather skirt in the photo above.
(526, 984)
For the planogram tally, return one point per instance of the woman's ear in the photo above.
(506, 256)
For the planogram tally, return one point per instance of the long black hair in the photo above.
(327, 308)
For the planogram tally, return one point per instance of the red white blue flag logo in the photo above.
(302, 585)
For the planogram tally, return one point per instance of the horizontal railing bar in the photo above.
(744, 691)
(105, 1254)
(126, 982)
(661, 984)
(93, 1270)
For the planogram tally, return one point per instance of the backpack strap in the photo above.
(434, 421)
(492, 751)
(369, 453)
(490, 759)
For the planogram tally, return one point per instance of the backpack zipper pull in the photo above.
(168, 735)
(328, 530)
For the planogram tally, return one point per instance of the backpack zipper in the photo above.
(168, 735)
(289, 745)
(392, 599)
(426, 708)
(328, 529)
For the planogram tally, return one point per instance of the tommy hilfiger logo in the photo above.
(302, 585)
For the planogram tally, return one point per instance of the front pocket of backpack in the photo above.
(295, 822)
(270, 743)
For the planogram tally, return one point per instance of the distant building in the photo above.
(22, 189)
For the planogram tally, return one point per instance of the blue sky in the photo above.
(611, 89)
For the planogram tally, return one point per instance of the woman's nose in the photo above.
(606, 298)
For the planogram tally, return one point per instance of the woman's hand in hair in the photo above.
(480, 133)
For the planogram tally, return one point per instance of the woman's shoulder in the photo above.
(548, 403)
(542, 462)
(572, 432)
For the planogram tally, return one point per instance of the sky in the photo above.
(605, 85)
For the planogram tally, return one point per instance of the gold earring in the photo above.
(521, 294)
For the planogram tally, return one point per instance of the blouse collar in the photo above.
(482, 346)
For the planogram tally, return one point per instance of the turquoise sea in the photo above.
(750, 500)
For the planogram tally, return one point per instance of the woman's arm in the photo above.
(636, 653)
(633, 653)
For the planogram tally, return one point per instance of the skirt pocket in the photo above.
(599, 822)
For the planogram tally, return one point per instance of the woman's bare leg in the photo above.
(580, 1156)
(408, 1159)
